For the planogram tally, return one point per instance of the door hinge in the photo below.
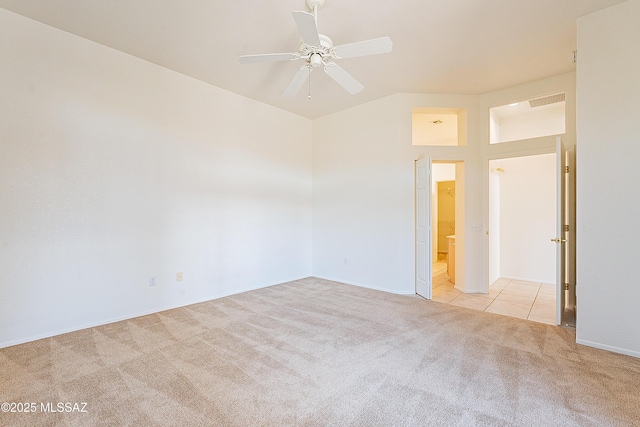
(566, 169)
(575, 56)
(566, 286)
(566, 227)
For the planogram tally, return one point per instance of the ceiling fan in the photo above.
(317, 50)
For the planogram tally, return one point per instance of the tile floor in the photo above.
(524, 300)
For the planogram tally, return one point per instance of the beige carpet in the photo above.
(314, 352)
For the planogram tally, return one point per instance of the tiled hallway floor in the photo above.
(524, 300)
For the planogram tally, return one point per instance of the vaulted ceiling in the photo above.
(445, 46)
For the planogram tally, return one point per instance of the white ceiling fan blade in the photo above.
(268, 57)
(363, 48)
(298, 80)
(306, 23)
(343, 78)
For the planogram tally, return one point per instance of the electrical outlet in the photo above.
(152, 280)
(178, 277)
(476, 227)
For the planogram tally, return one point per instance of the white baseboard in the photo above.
(461, 290)
(611, 348)
(526, 279)
(375, 288)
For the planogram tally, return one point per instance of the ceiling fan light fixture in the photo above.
(315, 60)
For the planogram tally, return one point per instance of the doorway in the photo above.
(443, 196)
(439, 227)
(523, 206)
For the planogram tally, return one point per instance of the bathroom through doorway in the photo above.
(445, 211)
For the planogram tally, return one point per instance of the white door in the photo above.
(560, 238)
(423, 227)
(570, 216)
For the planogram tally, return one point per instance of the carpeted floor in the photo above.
(315, 352)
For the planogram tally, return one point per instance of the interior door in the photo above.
(571, 234)
(423, 227)
(560, 239)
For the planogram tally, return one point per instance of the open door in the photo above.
(560, 238)
(569, 317)
(423, 227)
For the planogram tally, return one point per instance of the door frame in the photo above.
(460, 225)
(562, 261)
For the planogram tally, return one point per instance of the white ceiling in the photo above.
(445, 46)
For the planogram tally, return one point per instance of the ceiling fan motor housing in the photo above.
(315, 3)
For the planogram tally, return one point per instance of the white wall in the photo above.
(494, 221)
(528, 218)
(114, 169)
(494, 126)
(357, 209)
(608, 179)
(363, 193)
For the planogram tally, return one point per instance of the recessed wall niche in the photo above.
(439, 126)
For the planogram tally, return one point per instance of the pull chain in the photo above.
(309, 96)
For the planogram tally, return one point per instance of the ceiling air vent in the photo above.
(546, 100)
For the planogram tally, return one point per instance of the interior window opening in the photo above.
(533, 118)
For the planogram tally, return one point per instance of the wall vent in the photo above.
(546, 100)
